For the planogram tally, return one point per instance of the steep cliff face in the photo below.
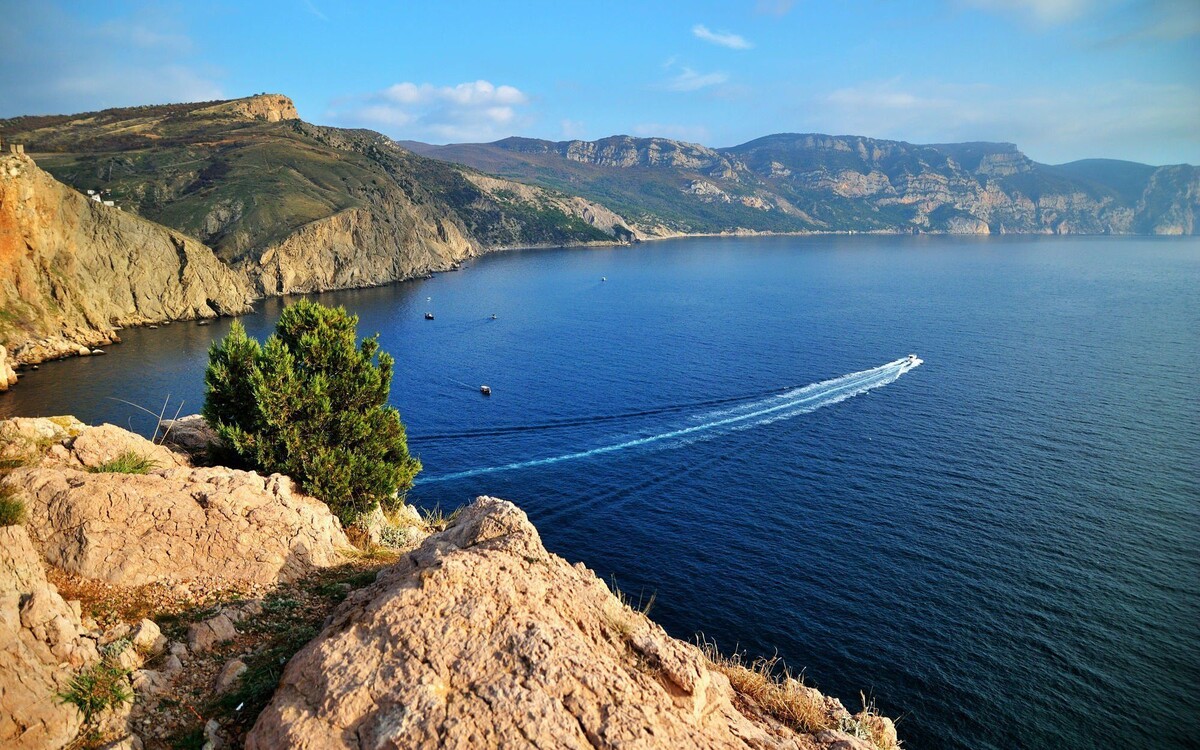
(811, 182)
(72, 268)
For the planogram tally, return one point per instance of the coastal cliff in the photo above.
(296, 207)
(74, 269)
(471, 633)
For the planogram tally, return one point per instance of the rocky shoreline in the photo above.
(187, 587)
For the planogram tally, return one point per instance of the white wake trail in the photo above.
(764, 411)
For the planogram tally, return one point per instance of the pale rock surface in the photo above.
(228, 676)
(481, 638)
(41, 645)
(173, 524)
(204, 635)
(8, 377)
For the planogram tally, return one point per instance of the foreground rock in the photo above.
(171, 524)
(481, 638)
(41, 644)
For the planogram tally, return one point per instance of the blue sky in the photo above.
(1064, 79)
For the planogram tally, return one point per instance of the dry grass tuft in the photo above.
(771, 687)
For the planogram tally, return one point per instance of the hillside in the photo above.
(72, 268)
(298, 207)
(811, 182)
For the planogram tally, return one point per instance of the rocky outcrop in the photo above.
(8, 377)
(591, 213)
(358, 248)
(265, 107)
(481, 638)
(42, 643)
(72, 268)
(170, 524)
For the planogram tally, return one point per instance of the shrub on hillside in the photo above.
(312, 403)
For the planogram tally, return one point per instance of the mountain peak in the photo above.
(268, 107)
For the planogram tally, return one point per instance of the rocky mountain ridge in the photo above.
(812, 182)
(251, 202)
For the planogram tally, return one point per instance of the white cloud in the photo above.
(572, 130)
(773, 7)
(690, 80)
(1121, 119)
(722, 38)
(472, 111)
(1046, 12)
(313, 9)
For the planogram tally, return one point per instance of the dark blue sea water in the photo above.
(1000, 546)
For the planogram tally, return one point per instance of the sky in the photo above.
(1063, 79)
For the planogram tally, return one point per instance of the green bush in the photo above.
(12, 510)
(312, 403)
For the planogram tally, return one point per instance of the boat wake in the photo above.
(710, 423)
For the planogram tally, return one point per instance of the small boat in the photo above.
(604, 278)
(428, 316)
(914, 360)
(485, 390)
(493, 316)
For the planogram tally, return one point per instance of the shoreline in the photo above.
(54, 348)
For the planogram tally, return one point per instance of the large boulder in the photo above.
(481, 638)
(42, 643)
(173, 523)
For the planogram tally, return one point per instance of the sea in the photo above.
(998, 545)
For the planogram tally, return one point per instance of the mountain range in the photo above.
(821, 183)
(218, 203)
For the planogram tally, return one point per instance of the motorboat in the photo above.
(429, 316)
(914, 360)
(485, 390)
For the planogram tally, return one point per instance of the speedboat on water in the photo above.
(913, 360)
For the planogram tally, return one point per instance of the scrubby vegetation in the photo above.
(128, 462)
(12, 509)
(101, 686)
(312, 403)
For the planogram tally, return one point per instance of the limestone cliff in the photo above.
(71, 269)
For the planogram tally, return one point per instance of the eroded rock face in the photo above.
(174, 523)
(8, 377)
(481, 638)
(72, 268)
(41, 645)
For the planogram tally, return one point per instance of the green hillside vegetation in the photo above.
(240, 184)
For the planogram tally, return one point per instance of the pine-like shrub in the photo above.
(312, 403)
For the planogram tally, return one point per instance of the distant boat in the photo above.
(428, 316)
(493, 316)
(604, 278)
(485, 390)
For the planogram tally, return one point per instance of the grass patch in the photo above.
(623, 616)
(436, 519)
(772, 688)
(128, 462)
(101, 686)
(12, 508)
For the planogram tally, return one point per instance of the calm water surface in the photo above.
(1001, 546)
